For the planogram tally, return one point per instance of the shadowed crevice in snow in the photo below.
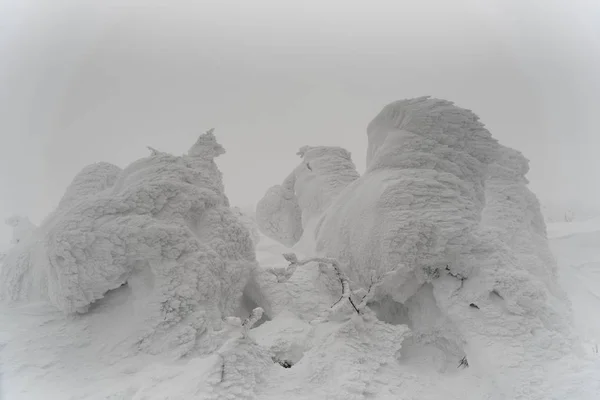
(112, 298)
(390, 311)
(247, 304)
(434, 341)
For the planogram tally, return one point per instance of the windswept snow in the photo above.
(443, 212)
(136, 286)
(162, 227)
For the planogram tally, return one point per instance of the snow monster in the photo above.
(436, 216)
(162, 229)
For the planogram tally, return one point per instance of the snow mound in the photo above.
(162, 227)
(90, 181)
(440, 244)
(443, 216)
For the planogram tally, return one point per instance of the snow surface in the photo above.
(48, 356)
(162, 227)
(134, 288)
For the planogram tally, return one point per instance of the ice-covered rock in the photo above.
(162, 227)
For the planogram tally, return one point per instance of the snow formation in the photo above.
(162, 227)
(443, 215)
(440, 244)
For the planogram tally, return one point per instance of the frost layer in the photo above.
(444, 214)
(287, 209)
(161, 226)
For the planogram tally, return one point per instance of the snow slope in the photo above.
(47, 356)
(576, 246)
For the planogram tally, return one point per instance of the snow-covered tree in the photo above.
(444, 213)
(162, 226)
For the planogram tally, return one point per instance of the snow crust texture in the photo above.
(137, 285)
(162, 226)
(286, 209)
(444, 214)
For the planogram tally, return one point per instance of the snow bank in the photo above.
(162, 227)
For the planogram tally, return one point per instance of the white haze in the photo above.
(98, 81)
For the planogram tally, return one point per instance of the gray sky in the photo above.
(87, 81)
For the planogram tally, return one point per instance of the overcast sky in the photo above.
(88, 81)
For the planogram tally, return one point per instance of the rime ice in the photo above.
(162, 226)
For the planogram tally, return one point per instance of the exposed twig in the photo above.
(375, 282)
(222, 369)
(283, 274)
(458, 276)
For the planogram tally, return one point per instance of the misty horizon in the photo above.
(87, 83)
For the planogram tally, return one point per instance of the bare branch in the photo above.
(368, 296)
(344, 281)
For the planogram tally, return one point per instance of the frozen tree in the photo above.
(285, 273)
(443, 212)
(162, 225)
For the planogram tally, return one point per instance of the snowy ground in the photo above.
(576, 246)
(45, 356)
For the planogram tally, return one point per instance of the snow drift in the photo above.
(162, 227)
(443, 215)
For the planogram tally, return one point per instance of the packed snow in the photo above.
(429, 276)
